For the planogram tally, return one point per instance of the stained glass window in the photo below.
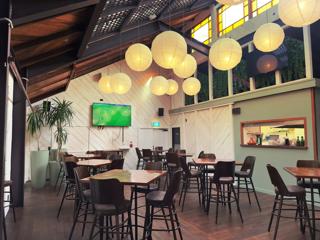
(203, 31)
(259, 6)
(231, 17)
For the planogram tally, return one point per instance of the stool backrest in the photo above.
(224, 169)
(248, 165)
(107, 191)
(201, 154)
(308, 163)
(68, 167)
(147, 153)
(117, 164)
(138, 153)
(173, 160)
(173, 187)
(184, 166)
(80, 173)
(277, 180)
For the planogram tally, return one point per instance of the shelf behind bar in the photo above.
(275, 146)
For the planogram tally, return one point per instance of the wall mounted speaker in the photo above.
(161, 112)
(236, 111)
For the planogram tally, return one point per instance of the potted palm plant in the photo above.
(58, 116)
(39, 159)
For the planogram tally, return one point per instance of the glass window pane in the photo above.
(203, 31)
(296, 60)
(203, 76)
(232, 15)
(188, 100)
(220, 84)
(241, 81)
(265, 80)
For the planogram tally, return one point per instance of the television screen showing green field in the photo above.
(111, 115)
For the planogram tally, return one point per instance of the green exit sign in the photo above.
(155, 124)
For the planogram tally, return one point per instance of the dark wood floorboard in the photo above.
(37, 221)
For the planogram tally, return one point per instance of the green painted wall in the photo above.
(293, 104)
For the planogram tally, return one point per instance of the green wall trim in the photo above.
(259, 93)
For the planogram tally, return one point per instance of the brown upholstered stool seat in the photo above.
(226, 180)
(155, 198)
(294, 191)
(242, 174)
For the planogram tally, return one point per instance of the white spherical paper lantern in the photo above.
(268, 37)
(138, 57)
(299, 13)
(173, 87)
(225, 54)
(186, 68)
(105, 84)
(159, 85)
(191, 86)
(120, 83)
(169, 49)
(230, 2)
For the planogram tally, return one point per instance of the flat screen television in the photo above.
(111, 115)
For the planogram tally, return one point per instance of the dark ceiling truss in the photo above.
(54, 46)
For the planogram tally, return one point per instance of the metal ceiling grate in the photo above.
(116, 3)
(179, 5)
(145, 10)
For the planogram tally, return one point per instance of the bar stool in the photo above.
(83, 199)
(244, 177)
(190, 178)
(109, 201)
(141, 159)
(163, 199)
(224, 176)
(69, 192)
(286, 196)
(144, 190)
(173, 164)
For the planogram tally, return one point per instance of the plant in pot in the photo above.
(60, 116)
(39, 159)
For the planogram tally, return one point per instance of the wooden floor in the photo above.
(37, 221)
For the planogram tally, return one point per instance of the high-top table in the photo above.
(94, 164)
(132, 178)
(204, 163)
(312, 174)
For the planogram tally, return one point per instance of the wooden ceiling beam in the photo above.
(40, 97)
(46, 44)
(28, 11)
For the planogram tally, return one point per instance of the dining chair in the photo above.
(69, 192)
(305, 183)
(147, 155)
(140, 162)
(223, 179)
(190, 182)
(244, 179)
(172, 164)
(116, 164)
(163, 200)
(287, 195)
(83, 199)
(109, 201)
